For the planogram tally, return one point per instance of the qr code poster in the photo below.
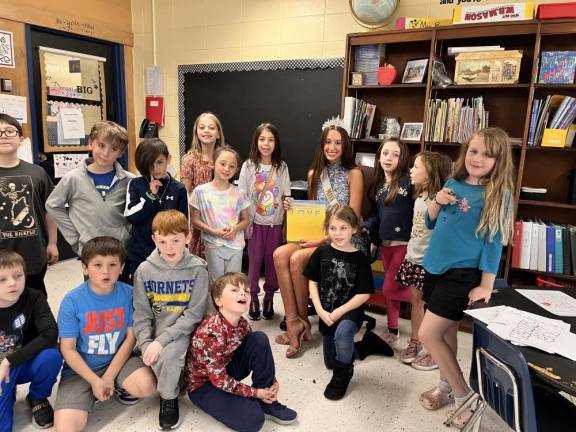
(6, 49)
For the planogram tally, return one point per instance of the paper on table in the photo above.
(486, 315)
(555, 302)
(567, 345)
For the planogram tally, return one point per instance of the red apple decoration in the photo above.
(386, 74)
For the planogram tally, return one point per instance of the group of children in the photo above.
(441, 233)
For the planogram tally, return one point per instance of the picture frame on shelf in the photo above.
(389, 128)
(415, 71)
(411, 132)
(357, 78)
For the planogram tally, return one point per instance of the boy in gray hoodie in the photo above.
(95, 192)
(170, 299)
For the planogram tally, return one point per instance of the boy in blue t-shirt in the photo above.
(96, 338)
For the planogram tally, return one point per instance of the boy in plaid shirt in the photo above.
(223, 351)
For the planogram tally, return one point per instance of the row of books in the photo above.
(358, 117)
(455, 119)
(367, 61)
(544, 247)
(564, 113)
(557, 67)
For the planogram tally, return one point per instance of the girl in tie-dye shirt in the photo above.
(220, 211)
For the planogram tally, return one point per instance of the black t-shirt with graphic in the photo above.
(340, 276)
(23, 192)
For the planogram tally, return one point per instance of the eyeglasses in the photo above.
(10, 133)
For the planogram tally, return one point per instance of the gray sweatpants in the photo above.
(169, 366)
(222, 260)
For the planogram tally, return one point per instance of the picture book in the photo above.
(557, 67)
(305, 220)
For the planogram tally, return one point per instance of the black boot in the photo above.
(341, 376)
(371, 343)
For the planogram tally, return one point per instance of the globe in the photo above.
(373, 13)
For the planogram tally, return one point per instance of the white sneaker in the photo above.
(392, 339)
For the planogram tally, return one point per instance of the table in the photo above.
(556, 371)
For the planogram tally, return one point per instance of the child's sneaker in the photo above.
(169, 417)
(424, 362)
(392, 339)
(411, 352)
(279, 413)
(268, 307)
(42, 412)
(124, 397)
(254, 311)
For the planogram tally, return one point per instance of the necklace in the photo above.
(169, 197)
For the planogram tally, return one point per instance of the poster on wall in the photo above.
(6, 49)
(66, 162)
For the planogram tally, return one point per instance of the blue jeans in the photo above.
(339, 343)
(240, 413)
(41, 372)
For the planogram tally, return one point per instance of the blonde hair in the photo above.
(196, 147)
(343, 213)
(438, 169)
(498, 212)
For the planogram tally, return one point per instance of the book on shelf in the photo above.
(557, 67)
(358, 117)
(453, 51)
(455, 119)
(367, 61)
(555, 112)
(546, 248)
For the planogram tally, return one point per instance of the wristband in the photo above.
(151, 196)
(437, 202)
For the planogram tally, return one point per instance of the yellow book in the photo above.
(305, 220)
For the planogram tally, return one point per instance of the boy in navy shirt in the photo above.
(28, 336)
(96, 338)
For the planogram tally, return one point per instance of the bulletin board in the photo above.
(73, 95)
(297, 96)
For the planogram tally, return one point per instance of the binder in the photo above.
(534, 247)
(526, 245)
(573, 249)
(517, 242)
(550, 257)
(567, 270)
(558, 251)
(541, 247)
(155, 109)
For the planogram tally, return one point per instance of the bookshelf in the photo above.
(509, 106)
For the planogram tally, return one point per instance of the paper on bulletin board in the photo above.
(7, 49)
(14, 106)
(72, 121)
(305, 220)
(66, 162)
(154, 81)
(25, 151)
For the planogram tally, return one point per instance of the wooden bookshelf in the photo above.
(539, 273)
(509, 105)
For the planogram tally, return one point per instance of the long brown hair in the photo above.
(319, 161)
(400, 170)
(196, 147)
(276, 154)
(438, 169)
(498, 212)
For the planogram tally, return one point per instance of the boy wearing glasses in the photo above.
(25, 227)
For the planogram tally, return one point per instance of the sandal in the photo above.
(292, 350)
(435, 399)
(282, 339)
(461, 419)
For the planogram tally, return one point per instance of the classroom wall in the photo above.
(86, 18)
(205, 31)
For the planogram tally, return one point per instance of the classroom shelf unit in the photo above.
(509, 105)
